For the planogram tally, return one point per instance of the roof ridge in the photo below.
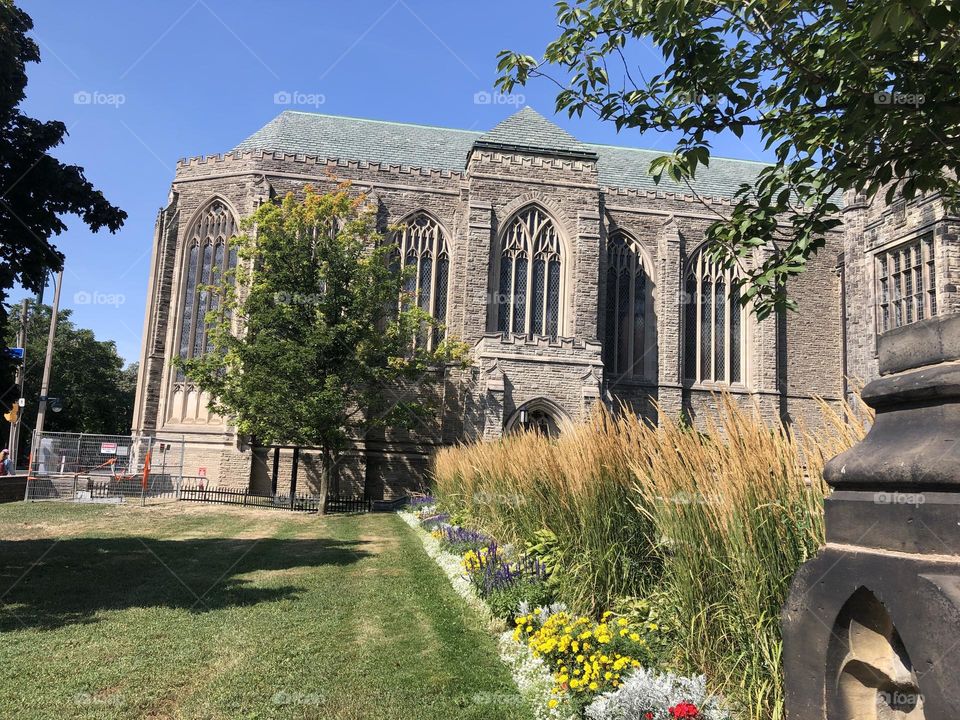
(640, 149)
(380, 122)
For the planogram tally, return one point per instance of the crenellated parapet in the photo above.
(265, 161)
(640, 194)
(495, 344)
(526, 160)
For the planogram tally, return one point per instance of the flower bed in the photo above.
(567, 666)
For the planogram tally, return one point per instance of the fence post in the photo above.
(276, 470)
(293, 476)
(26, 485)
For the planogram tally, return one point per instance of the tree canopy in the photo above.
(850, 96)
(36, 189)
(312, 344)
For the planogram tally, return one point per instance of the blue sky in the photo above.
(142, 84)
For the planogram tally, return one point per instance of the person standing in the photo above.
(6, 465)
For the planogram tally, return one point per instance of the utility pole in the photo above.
(14, 441)
(47, 366)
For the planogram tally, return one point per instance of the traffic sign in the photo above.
(13, 353)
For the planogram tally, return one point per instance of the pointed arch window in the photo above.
(628, 310)
(528, 299)
(714, 323)
(422, 245)
(208, 257)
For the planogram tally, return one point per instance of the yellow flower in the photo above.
(552, 704)
(635, 637)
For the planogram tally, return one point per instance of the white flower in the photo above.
(652, 691)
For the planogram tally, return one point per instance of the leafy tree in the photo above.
(310, 347)
(88, 376)
(851, 96)
(35, 188)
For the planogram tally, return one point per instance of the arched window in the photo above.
(628, 311)
(423, 247)
(208, 257)
(714, 322)
(529, 282)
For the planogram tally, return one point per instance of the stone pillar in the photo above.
(476, 278)
(586, 278)
(669, 306)
(493, 389)
(872, 624)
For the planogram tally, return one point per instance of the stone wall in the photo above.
(871, 226)
(564, 374)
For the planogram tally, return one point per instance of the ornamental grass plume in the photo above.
(710, 522)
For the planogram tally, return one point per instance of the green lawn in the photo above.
(185, 611)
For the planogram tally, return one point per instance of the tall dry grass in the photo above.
(711, 522)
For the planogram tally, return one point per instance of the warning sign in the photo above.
(108, 448)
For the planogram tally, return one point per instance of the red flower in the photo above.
(684, 710)
(648, 716)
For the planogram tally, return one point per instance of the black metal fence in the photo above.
(298, 502)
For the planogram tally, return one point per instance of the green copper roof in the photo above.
(423, 146)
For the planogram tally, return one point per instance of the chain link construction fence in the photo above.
(82, 467)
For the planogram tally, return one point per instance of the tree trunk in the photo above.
(326, 467)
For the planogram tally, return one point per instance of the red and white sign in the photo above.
(108, 448)
(202, 472)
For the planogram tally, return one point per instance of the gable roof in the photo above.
(436, 148)
(529, 130)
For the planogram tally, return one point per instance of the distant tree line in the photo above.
(89, 378)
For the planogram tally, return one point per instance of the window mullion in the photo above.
(727, 314)
(698, 376)
(513, 292)
(528, 296)
(632, 314)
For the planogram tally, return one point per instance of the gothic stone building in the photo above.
(571, 275)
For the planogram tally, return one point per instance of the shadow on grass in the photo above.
(47, 583)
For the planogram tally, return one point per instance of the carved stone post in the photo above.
(872, 624)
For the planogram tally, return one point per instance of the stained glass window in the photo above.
(207, 259)
(528, 300)
(628, 318)
(422, 244)
(714, 322)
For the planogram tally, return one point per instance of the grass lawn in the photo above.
(183, 611)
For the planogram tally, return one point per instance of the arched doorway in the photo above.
(540, 416)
